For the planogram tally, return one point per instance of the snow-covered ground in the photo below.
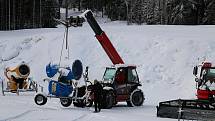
(165, 56)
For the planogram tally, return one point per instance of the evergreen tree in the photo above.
(116, 9)
(151, 12)
(51, 12)
(137, 12)
(23, 14)
(209, 12)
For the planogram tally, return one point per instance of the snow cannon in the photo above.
(62, 88)
(20, 71)
(59, 89)
(75, 73)
(17, 79)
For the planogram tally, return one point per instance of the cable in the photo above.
(67, 43)
(61, 53)
(68, 51)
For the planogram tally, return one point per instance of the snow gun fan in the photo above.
(20, 71)
(77, 69)
(17, 79)
(202, 108)
(63, 87)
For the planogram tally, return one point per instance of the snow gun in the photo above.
(63, 87)
(20, 71)
(17, 79)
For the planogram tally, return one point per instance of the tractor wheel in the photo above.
(108, 100)
(136, 98)
(66, 102)
(40, 99)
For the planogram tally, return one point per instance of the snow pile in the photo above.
(165, 56)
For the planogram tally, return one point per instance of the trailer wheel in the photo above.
(83, 103)
(33, 85)
(108, 100)
(136, 98)
(89, 103)
(40, 99)
(66, 102)
(79, 103)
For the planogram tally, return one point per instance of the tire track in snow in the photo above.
(18, 116)
(48, 108)
(88, 116)
(81, 117)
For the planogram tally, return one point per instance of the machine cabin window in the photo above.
(132, 76)
(109, 74)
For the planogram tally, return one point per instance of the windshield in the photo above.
(109, 74)
(208, 75)
(211, 72)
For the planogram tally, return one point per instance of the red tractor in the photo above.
(120, 81)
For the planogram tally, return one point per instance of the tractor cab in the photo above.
(208, 74)
(121, 74)
(205, 79)
(204, 72)
(123, 79)
(200, 70)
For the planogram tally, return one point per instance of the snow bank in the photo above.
(165, 55)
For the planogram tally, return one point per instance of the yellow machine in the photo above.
(18, 80)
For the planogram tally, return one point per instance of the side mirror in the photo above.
(195, 70)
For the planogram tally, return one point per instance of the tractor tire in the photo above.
(40, 99)
(65, 102)
(108, 100)
(136, 98)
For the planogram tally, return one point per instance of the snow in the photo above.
(164, 56)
